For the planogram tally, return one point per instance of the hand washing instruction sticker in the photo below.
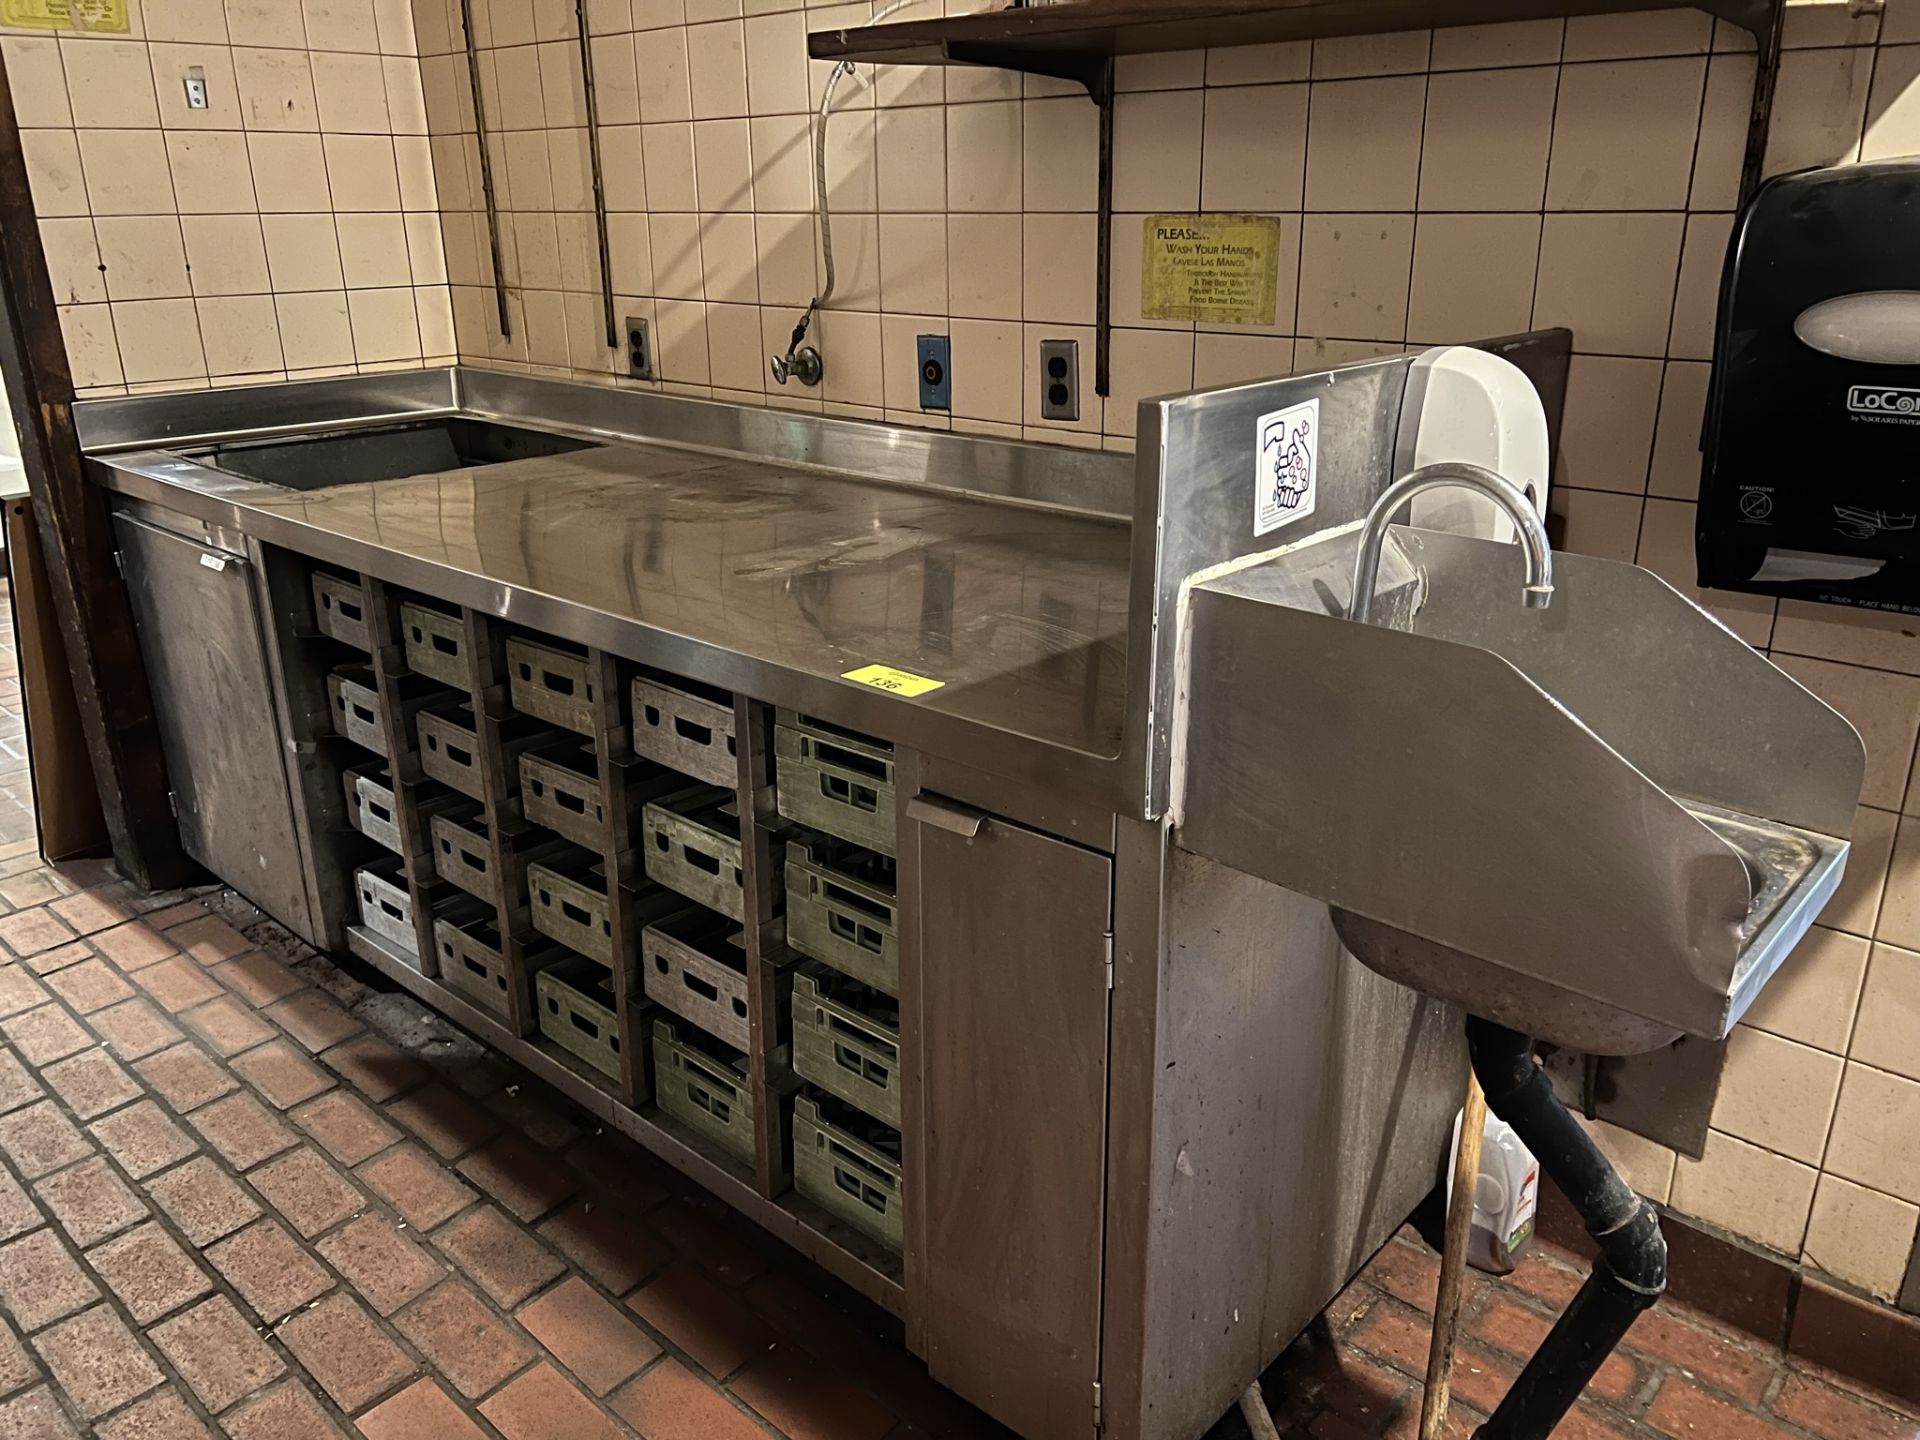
(106, 15)
(896, 682)
(1286, 466)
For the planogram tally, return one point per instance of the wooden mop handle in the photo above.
(1453, 1261)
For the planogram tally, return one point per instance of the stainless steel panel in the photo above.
(199, 626)
(191, 416)
(1012, 1034)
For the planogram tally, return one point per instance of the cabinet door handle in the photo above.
(962, 820)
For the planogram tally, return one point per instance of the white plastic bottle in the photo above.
(1505, 1195)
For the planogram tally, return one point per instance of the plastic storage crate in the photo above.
(833, 780)
(704, 1089)
(849, 1165)
(841, 910)
(577, 1011)
(340, 609)
(450, 750)
(554, 684)
(463, 854)
(569, 904)
(386, 906)
(562, 792)
(372, 807)
(356, 708)
(436, 644)
(692, 844)
(846, 1040)
(471, 962)
(689, 729)
(695, 964)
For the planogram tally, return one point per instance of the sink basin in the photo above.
(388, 452)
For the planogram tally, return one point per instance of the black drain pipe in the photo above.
(1631, 1272)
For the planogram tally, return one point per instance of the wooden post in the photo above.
(96, 618)
(1453, 1261)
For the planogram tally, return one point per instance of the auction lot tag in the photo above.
(897, 682)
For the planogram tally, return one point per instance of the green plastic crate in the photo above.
(694, 963)
(841, 910)
(849, 1165)
(340, 609)
(554, 684)
(471, 962)
(692, 844)
(577, 1011)
(573, 909)
(846, 1040)
(436, 644)
(687, 729)
(832, 780)
(704, 1090)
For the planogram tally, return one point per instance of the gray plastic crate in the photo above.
(340, 609)
(449, 749)
(436, 644)
(572, 909)
(554, 684)
(833, 780)
(841, 909)
(562, 792)
(371, 805)
(386, 906)
(704, 1090)
(356, 707)
(687, 729)
(695, 964)
(471, 962)
(463, 854)
(577, 1011)
(692, 844)
(849, 1165)
(846, 1040)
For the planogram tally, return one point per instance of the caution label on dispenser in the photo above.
(898, 682)
(105, 15)
(1216, 269)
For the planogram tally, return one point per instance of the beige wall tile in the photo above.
(717, 71)
(911, 161)
(1697, 300)
(290, 173)
(361, 172)
(1624, 133)
(1666, 548)
(55, 177)
(1612, 37)
(1862, 1236)
(1748, 1190)
(782, 163)
(373, 251)
(1855, 906)
(1255, 149)
(73, 261)
(1363, 151)
(1156, 151)
(731, 264)
(851, 167)
(682, 341)
(426, 251)
(1610, 278)
(1893, 106)
(303, 253)
(1813, 996)
(341, 25)
(126, 172)
(351, 94)
(242, 334)
(1060, 161)
(413, 161)
(1520, 42)
(1876, 1132)
(384, 325)
(1606, 433)
(1472, 276)
(984, 266)
(1230, 359)
(109, 84)
(666, 92)
(1884, 708)
(1648, 1167)
(1777, 1094)
(211, 173)
(1900, 23)
(536, 250)
(1259, 64)
(1341, 56)
(276, 89)
(198, 21)
(723, 166)
(913, 262)
(988, 369)
(1146, 363)
(776, 64)
(1059, 279)
(562, 86)
(1354, 274)
(671, 184)
(1819, 108)
(1811, 23)
(159, 340)
(1597, 523)
(1723, 133)
(984, 153)
(314, 329)
(275, 23)
(1853, 637)
(227, 256)
(1487, 139)
(677, 271)
(516, 101)
(1677, 461)
(434, 306)
(1887, 1033)
(37, 81)
(93, 352)
(857, 378)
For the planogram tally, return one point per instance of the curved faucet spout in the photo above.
(1538, 553)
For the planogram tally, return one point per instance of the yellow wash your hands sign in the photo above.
(105, 15)
(1215, 269)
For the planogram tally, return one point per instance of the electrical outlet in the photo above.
(1059, 379)
(936, 372)
(639, 349)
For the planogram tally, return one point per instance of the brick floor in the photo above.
(232, 1202)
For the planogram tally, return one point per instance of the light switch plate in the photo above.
(936, 372)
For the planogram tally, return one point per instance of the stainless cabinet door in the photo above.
(197, 618)
(1013, 1036)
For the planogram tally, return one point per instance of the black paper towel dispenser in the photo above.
(1811, 486)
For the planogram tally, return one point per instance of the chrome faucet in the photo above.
(1534, 547)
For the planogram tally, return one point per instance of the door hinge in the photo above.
(119, 565)
(1099, 1419)
(1109, 952)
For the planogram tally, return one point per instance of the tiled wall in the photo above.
(289, 228)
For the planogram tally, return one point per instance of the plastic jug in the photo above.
(1504, 1197)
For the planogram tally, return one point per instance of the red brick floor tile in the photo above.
(164, 1416)
(91, 1083)
(46, 1034)
(1517, 1329)
(18, 1213)
(19, 990)
(40, 1139)
(97, 1361)
(446, 1121)
(307, 1192)
(216, 1352)
(209, 940)
(313, 1019)
(346, 1351)
(228, 1025)
(256, 978)
(35, 1415)
(1741, 1370)
(134, 1029)
(202, 1201)
(270, 1269)
(133, 945)
(32, 887)
(1686, 1412)
(286, 1412)
(16, 1364)
(89, 911)
(524, 1178)
(185, 1077)
(142, 1139)
(544, 1405)
(172, 916)
(31, 931)
(375, 1068)
(345, 1127)
(1835, 1415)
(608, 1243)
(702, 1319)
(1549, 1275)
(40, 1280)
(90, 1201)
(17, 1085)
(384, 1265)
(149, 1271)
(58, 958)
(497, 1255)
(282, 1072)
(588, 1335)
(670, 1402)
(242, 1129)
(705, 1231)
(409, 1180)
(89, 986)
(422, 1409)
(177, 984)
(462, 1338)
(803, 1397)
